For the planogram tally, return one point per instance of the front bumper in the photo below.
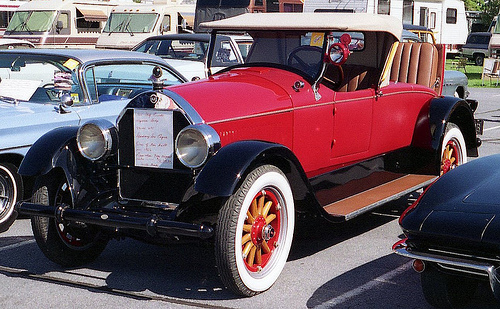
(121, 219)
(458, 265)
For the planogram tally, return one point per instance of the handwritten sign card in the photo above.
(153, 138)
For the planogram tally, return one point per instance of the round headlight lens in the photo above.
(192, 147)
(94, 140)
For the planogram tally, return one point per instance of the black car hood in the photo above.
(462, 204)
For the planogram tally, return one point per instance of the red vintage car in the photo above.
(329, 115)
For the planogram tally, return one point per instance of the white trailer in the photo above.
(60, 23)
(129, 25)
(446, 18)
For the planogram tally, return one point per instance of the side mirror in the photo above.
(59, 26)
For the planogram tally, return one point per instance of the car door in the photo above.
(352, 125)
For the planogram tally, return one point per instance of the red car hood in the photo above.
(218, 98)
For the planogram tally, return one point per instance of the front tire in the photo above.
(254, 232)
(65, 243)
(453, 149)
(11, 190)
(446, 291)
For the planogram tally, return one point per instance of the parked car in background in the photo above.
(476, 47)
(188, 52)
(328, 115)
(452, 233)
(43, 89)
(455, 83)
(15, 44)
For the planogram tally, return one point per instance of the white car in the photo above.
(187, 52)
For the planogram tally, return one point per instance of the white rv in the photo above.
(129, 25)
(60, 23)
(494, 45)
(446, 18)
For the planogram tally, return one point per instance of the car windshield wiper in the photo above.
(127, 28)
(119, 26)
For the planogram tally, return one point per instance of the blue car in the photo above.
(44, 89)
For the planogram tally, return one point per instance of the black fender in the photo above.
(224, 172)
(450, 109)
(43, 155)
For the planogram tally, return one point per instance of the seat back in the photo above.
(415, 63)
(357, 77)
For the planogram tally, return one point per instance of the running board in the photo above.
(365, 201)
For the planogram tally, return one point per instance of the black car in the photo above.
(476, 47)
(452, 232)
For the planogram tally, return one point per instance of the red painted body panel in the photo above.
(339, 129)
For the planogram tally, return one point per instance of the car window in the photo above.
(225, 54)
(175, 49)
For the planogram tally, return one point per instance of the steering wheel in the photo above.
(295, 59)
(52, 93)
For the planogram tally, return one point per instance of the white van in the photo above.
(60, 23)
(129, 25)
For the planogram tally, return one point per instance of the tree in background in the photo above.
(490, 9)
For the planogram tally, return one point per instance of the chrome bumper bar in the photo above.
(455, 264)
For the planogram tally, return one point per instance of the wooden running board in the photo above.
(362, 202)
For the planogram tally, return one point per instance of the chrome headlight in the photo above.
(195, 144)
(97, 139)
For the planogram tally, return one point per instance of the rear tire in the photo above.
(453, 149)
(478, 59)
(66, 243)
(442, 290)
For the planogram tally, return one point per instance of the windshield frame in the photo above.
(278, 35)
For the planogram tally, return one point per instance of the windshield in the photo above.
(497, 25)
(175, 49)
(297, 50)
(37, 78)
(31, 21)
(115, 81)
(130, 23)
